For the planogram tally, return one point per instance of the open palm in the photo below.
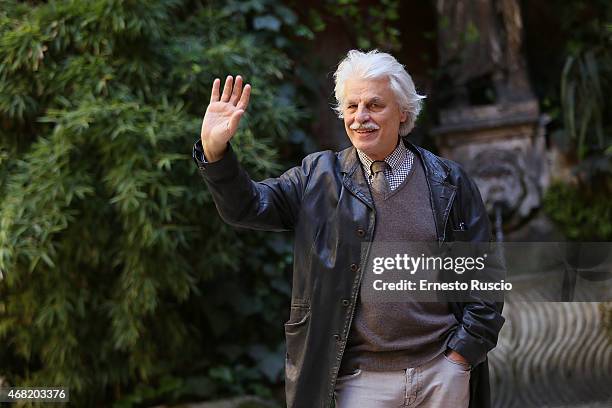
(223, 115)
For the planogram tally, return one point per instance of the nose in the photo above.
(362, 115)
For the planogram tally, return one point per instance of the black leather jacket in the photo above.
(327, 202)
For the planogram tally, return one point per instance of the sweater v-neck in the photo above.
(377, 196)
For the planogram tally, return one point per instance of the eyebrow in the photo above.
(375, 99)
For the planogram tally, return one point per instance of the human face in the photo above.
(372, 116)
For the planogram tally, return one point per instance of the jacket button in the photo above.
(360, 232)
(346, 302)
(354, 267)
(337, 337)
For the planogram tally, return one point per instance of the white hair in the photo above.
(374, 65)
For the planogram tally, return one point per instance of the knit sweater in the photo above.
(397, 335)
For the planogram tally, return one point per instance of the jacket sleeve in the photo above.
(272, 204)
(481, 318)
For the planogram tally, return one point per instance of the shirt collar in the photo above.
(395, 159)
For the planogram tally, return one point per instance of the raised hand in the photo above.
(223, 116)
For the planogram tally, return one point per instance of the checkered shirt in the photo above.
(400, 161)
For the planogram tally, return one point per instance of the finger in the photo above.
(237, 90)
(214, 96)
(244, 99)
(227, 89)
(235, 121)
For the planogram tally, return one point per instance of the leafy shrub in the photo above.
(580, 215)
(117, 277)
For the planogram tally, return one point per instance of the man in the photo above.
(382, 188)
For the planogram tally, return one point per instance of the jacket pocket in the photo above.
(458, 227)
(296, 329)
(461, 364)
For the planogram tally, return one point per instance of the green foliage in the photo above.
(583, 100)
(582, 123)
(585, 131)
(370, 24)
(587, 124)
(117, 277)
(580, 215)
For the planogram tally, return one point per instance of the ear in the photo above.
(403, 116)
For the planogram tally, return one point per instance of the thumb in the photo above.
(235, 120)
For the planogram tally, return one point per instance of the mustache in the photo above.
(364, 126)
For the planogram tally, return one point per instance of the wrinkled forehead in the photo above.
(366, 89)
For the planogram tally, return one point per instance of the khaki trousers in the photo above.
(439, 383)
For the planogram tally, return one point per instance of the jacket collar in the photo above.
(354, 179)
(435, 168)
(442, 191)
